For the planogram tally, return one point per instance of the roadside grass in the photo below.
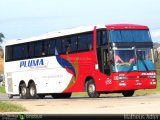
(6, 106)
(2, 89)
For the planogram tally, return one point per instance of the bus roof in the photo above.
(71, 31)
(53, 34)
(126, 26)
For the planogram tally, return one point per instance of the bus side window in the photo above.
(17, 52)
(45, 48)
(9, 53)
(90, 41)
(59, 46)
(68, 45)
(51, 47)
(74, 44)
(25, 51)
(38, 49)
(99, 37)
(85, 42)
(31, 50)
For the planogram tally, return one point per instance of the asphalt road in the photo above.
(83, 105)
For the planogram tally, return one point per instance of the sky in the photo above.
(26, 18)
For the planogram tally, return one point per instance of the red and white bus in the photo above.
(96, 59)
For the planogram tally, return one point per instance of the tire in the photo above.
(91, 89)
(61, 95)
(32, 91)
(128, 93)
(10, 96)
(41, 96)
(24, 92)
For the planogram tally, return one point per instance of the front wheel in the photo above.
(128, 93)
(91, 89)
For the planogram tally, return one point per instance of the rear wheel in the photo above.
(61, 95)
(91, 89)
(128, 93)
(32, 91)
(24, 92)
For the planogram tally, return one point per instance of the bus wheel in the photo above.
(32, 91)
(61, 95)
(10, 96)
(91, 89)
(128, 93)
(24, 92)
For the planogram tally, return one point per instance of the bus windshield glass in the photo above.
(127, 60)
(130, 36)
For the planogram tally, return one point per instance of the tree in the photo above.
(1, 49)
(1, 36)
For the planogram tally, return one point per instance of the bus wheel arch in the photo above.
(90, 87)
(23, 90)
(32, 89)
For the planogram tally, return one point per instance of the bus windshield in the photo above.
(126, 60)
(130, 36)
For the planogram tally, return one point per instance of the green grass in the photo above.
(6, 106)
(2, 89)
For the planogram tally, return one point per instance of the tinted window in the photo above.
(8, 53)
(130, 36)
(105, 37)
(58, 46)
(45, 47)
(25, 51)
(74, 44)
(99, 37)
(51, 47)
(20, 52)
(31, 50)
(85, 42)
(38, 49)
(66, 42)
(102, 37)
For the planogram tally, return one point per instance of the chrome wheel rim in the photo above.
(91, 88)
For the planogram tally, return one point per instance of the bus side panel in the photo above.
(84, 66)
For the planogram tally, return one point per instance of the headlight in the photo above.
(151, 76)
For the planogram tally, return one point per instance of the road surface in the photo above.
(148, 104)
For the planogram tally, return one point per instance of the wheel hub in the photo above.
(92, 88)
(32, 91)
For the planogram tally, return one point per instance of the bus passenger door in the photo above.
(105, 68)
(103, 60)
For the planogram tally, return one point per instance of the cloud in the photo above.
(155, 34)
